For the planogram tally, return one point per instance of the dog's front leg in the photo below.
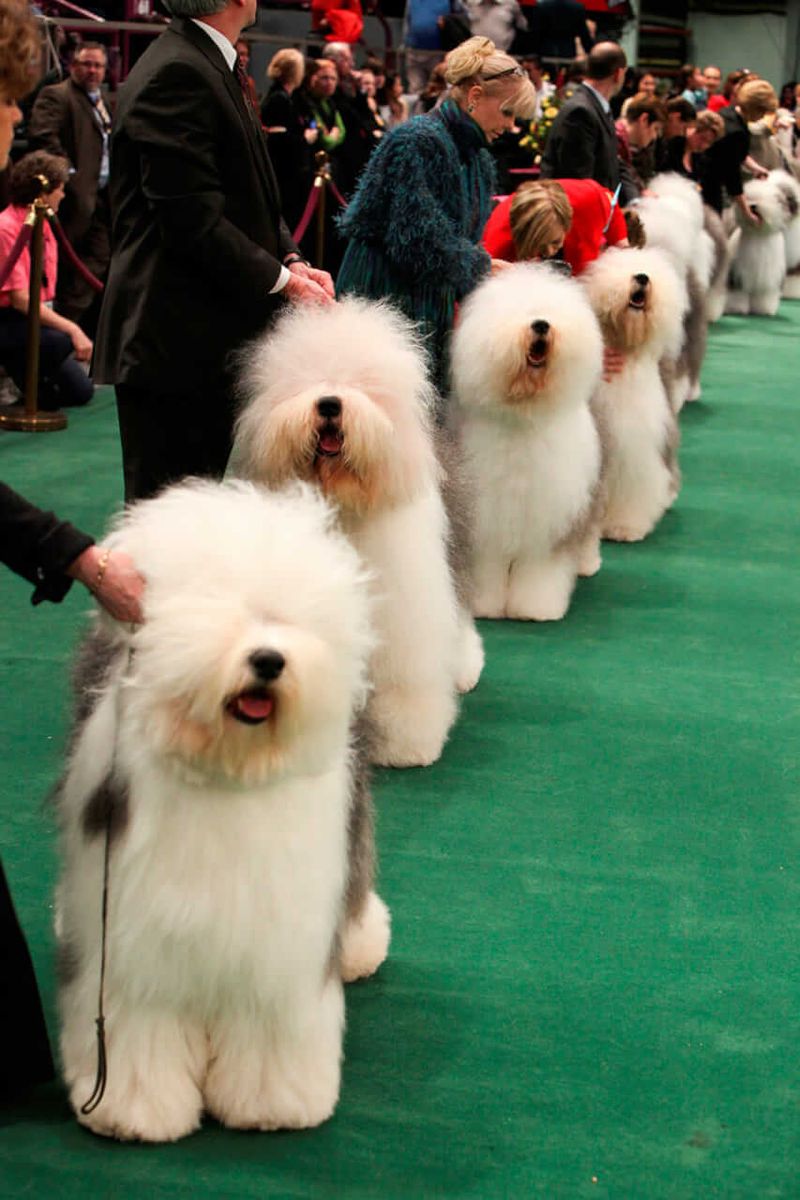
(279, 1068)
(540, 589)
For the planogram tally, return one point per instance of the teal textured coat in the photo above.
(416, 220)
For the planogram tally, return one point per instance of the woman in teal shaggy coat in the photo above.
(416, 219)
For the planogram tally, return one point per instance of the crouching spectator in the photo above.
(64, 346)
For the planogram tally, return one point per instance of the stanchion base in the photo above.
(38, 422)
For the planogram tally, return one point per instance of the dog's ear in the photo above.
(636, 234)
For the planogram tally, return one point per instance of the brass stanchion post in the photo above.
(321, 181)
(31, 420)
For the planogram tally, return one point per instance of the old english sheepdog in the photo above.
(758, 265)
(639, 302)
(213, 759)
(526, 358)
(789, 192)
(340, 397)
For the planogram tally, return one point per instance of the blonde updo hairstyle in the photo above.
(540, 214)
(287, 66)
(478, 63)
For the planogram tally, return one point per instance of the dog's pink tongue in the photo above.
(331, 443)
(258, 708)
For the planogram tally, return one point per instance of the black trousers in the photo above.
(167, 436)
(75, 298)
(62, 380)
(25, 1051)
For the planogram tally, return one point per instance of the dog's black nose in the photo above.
(329, 406)
(540, 328)
(267, 664)
(642, 280)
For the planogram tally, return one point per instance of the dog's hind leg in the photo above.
(470, 657)
(363, 941)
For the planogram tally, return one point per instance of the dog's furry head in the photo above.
(526, 340)
(338, 396)
(788, 189)
(253, 653)
(766, 200)
(669, 185)
(664, 219)
(638, 299)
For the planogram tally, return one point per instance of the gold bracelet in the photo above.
(101, 569)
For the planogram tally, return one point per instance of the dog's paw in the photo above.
(365, 940)
(539, 608)
(411, 728)
(625, 533)
(136, 1115)
(590, 562)
(471, 657)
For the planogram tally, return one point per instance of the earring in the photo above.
(470, 108)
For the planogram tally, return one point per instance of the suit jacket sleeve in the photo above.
(178, 133)
(46, 123)
(37, 546)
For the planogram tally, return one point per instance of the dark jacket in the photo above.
(554, 25)
(37, 546)
(63, 122)
(723, 161)
(290, 154)
(197, 232)
(583, 145)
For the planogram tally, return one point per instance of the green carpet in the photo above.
(594, 988)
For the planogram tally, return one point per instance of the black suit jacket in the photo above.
(583, 145)
(197, 235)
(62, 122)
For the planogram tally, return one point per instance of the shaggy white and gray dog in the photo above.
(339, 396)
(526, 358)
(213, 747)
(639, 301)
(758, 264)
(789, 192)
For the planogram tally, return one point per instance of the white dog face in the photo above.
(767, 201)
(526, 339)
(338, 397)
(252, 658)
(638, 299)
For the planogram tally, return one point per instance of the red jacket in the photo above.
(591, 204)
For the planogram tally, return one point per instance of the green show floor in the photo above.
(594, 983)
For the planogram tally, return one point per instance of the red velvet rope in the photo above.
(23, 238)
(66, 245)
(310, 209)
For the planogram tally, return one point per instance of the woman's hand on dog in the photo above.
(111, 576)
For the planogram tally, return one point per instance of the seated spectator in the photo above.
(722, 99)
(712, 82)
(291, 142)
(338, 20)
(394, 109)
(532, 66)
(645, 85)
(316, 107)
(372, 120)
(691, 86)
(64, 345)
(434, 91)
(572, 218)
(787, 124)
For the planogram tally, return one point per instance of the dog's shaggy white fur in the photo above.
(214, 742)
(339, 396)
(789, 192)
(526, 358)
(639, 301)
(758, 264)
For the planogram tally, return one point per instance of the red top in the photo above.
(715, 103)
(11, 221)
(591, 204)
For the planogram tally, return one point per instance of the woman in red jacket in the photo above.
(578, 217)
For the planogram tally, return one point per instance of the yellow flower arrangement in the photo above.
(535, 139)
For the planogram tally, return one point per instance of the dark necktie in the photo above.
(243, 80)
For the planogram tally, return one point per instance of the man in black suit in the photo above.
(583, 141)
(70, 119)
(201, 256)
